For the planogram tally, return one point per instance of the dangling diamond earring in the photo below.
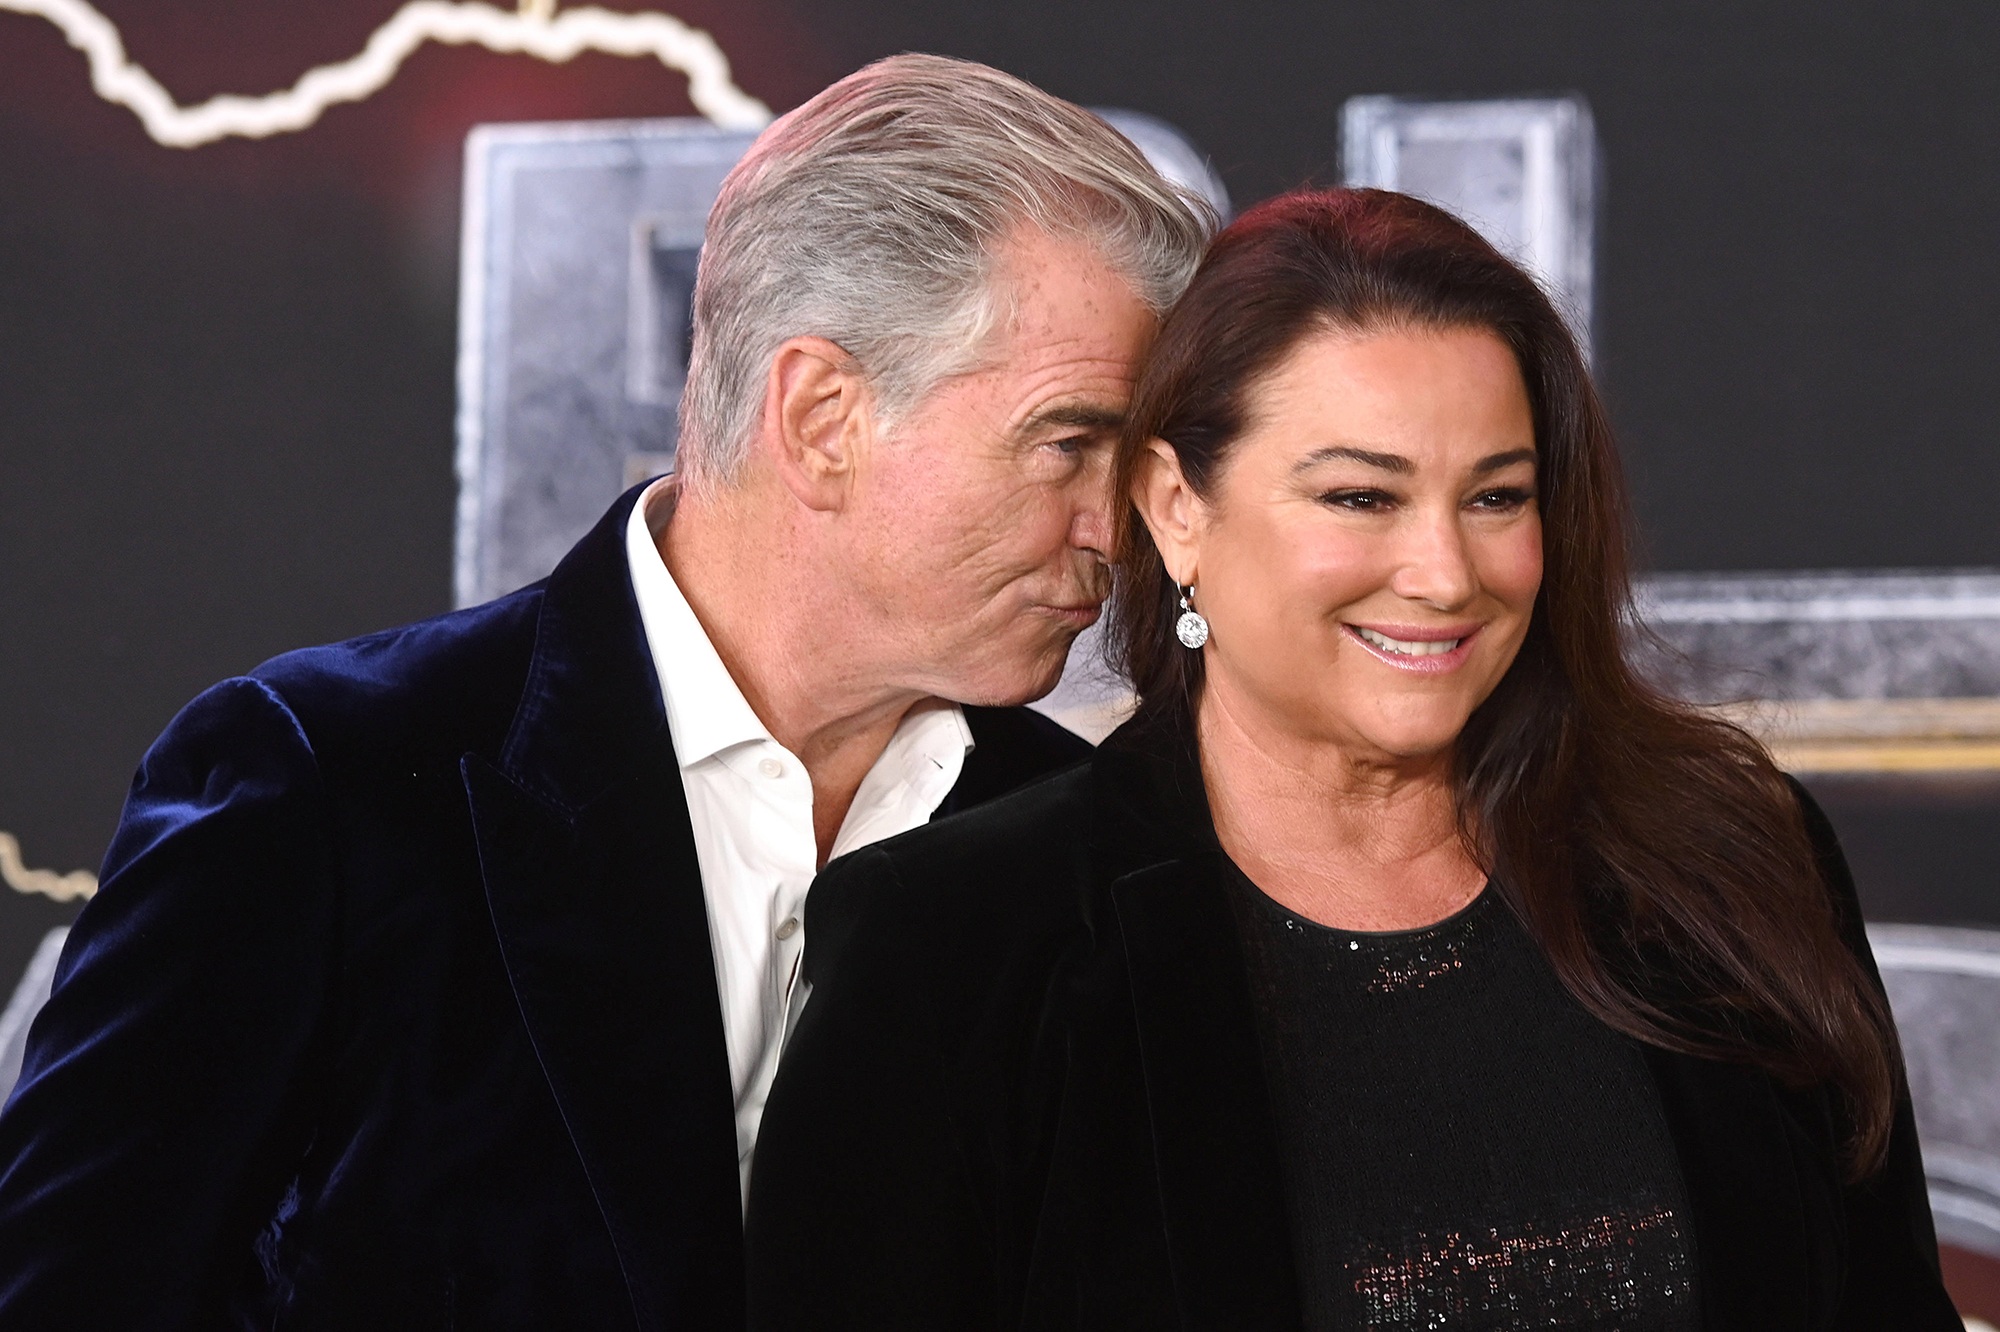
(1191, 629)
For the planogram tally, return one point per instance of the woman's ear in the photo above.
(1172, 512)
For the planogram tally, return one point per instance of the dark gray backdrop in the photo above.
(226, 374)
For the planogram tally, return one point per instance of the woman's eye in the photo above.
(1358, 501)
(1502, 500)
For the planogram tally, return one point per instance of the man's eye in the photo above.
(1069, 448)
(1358, 501)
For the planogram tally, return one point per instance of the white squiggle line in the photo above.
(531, 31)
(62, 887)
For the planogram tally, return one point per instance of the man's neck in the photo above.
(808, 670)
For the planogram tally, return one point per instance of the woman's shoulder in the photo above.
(1010, 885)
(1017, 857)
(1833, 871)
(1027, 875)
(1037, 828)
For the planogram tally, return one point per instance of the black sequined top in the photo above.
(1465, 1147)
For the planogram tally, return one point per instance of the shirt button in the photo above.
(771, 768)
(789, 928)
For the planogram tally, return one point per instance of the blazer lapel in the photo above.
(591, 876)
(1221, 1186)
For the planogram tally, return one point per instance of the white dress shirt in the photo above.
(751, 805)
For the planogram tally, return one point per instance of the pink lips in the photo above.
(1439, 663)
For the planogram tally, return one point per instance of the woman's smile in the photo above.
(1424, 650)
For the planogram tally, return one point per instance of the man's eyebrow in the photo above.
(1075, 416)
(1388, 462)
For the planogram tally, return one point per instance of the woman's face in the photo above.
(1369, 558)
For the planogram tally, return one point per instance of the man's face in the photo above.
(983, 525)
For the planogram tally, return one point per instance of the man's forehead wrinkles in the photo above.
(1090, 396)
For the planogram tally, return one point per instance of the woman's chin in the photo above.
(1412, 740)
(1414, 750)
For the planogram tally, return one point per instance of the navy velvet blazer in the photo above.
(396, 1007)
(1027, 1095)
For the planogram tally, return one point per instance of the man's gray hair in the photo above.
(871, 217)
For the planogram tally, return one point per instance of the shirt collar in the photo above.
(917, 770)
(706, 711)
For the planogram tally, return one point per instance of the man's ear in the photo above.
(818, 417)
(1172, 512)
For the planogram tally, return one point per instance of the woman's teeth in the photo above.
(1429, 648)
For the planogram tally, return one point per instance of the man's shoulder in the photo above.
(451, 681)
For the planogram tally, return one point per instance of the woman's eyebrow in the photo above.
(1388, 462)
(1494, 462)
(1397, 463)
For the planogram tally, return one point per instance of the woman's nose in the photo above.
(1435, 564)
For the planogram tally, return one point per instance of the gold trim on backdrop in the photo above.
(1818, 735)
(48, 883)
(1877, 735)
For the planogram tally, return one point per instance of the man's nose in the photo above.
(1434, 564)
(1091, 526)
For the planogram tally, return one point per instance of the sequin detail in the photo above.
(1621, 1270)
(1415, 959)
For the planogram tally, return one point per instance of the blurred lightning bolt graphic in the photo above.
(62, 887)
(536, 29)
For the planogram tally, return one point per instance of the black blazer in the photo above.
(396, 1007)
(1026, 1094)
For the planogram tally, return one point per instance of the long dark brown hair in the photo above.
(1655, 853)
